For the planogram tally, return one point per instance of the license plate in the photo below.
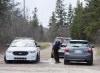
(61, 50)
(77, 51)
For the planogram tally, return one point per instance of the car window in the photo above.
(23, 43)
(57, 40)
(65, 41)
(79, 44)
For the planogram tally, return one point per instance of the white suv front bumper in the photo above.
(29, 56)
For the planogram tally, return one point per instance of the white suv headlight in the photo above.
(9, 51)
(32, 51)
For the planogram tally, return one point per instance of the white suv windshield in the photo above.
(23, 43)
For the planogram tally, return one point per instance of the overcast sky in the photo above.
(45, 8)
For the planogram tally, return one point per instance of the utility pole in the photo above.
(12, 9)
(24, 7)
(12, 17)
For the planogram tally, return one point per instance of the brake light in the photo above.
(66, 50)
(90, 51)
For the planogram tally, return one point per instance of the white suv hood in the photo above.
(22, 48)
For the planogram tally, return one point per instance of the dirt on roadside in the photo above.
(2, 49)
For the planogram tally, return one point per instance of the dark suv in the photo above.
(80, 51)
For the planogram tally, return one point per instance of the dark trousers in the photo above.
(56, 56)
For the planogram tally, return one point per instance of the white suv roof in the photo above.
(31, 38)
(23, 38)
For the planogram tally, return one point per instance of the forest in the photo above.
(80, 22)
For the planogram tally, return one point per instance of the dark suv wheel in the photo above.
(66, 62)
(90, 62)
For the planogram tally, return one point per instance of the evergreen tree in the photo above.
(41, 32)
(92, 18)
(86, 21)
(35, 25)
(4, 4)
(61, 16)
(52, 28)
(77, 25)
(52, 19)
(58, 21)
(35, 21)
(60, 12)
(70, 15)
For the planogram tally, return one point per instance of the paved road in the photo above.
(47, 65)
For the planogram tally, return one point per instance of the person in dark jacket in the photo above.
(56, 47)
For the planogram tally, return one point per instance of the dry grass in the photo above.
(44, 45)
(98, 52)
(98, 49)
(2, 49)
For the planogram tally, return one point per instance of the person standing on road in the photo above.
(56, 47)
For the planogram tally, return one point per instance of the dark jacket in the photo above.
(56, 46)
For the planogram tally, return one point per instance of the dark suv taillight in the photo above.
(66, 50)
(90, 51)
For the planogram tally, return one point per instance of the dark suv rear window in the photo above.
(79, 44)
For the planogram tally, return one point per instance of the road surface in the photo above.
(47, 65)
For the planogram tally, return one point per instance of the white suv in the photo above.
(22, 50)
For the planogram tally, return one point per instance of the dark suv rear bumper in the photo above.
(79, 58)
(61, 54)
